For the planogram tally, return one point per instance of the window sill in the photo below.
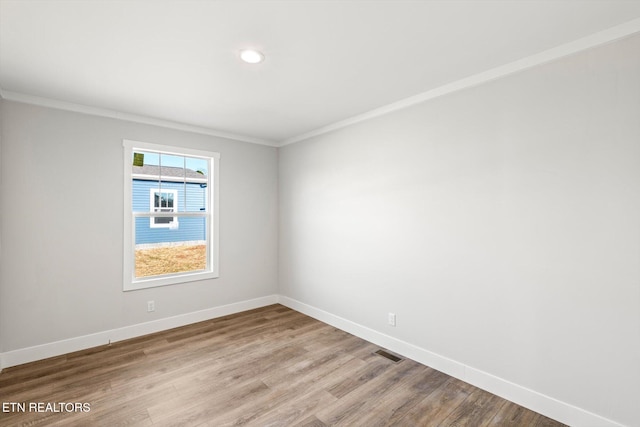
(168, 280)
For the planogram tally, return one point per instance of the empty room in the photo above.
(320, 213)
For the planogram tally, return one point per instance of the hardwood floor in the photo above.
(267, 367)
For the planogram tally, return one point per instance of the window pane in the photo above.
(142, 158)
(161, 220)
(172, 167)
(146, 175)
(160, 251)
(195, 197)
(200, 166)
(167, 200)
(196, 184)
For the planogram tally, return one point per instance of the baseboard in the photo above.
(57, 348)
(538, 402)
(546, 405)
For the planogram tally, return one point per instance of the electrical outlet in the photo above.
(151, 306)
(392, 319)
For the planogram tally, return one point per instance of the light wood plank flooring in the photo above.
(267, 367)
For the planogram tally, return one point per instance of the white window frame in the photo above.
(152, 208)
(130, 282)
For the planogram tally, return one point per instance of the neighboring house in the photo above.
(175, 190)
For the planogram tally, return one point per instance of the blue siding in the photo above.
(189, 229)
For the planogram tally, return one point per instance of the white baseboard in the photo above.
(523, 396)
(540, 403)
(39, 352)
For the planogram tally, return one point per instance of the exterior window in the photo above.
(170, 215)
(163, 201)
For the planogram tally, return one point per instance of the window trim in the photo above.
(152, 207)
(130, 283)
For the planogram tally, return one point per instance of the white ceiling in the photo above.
(326, 61)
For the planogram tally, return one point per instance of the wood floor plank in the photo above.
(265, 406)
(360, 401)
(294, 410)
(311, 421)
(366, 373)
(436, 406)
(270, 366)
(478, 410)
(206, 406)
(397, 404)
(514, 415)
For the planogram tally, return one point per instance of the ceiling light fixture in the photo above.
(251, 56)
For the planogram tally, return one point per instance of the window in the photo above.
(163, 201)
(170, 215)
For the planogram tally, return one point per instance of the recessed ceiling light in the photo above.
(251, 56)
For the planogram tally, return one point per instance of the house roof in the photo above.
(169, 173)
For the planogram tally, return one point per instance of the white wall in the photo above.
(2, 298)
(62, 227)
(500, 223)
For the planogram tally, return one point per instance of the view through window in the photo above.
(170, 205)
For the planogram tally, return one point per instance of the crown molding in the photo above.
(582, 44)
(602, 37)
(104, 112)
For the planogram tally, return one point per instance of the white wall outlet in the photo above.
(151, 306)
(392, 319)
